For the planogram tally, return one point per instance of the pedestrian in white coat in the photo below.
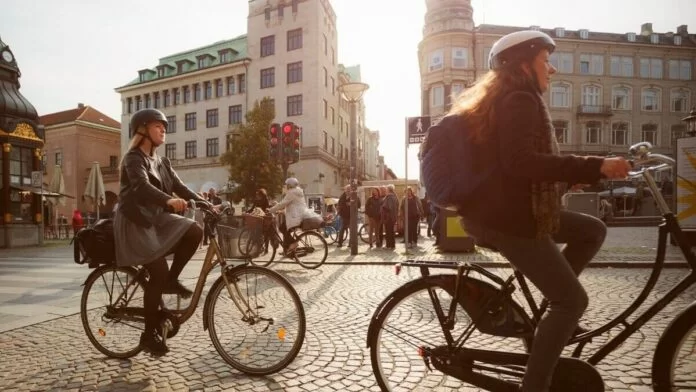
(295, 206)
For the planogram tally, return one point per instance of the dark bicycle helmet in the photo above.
(519, 47)
(144, 116)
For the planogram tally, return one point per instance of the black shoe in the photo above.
(175, 287)
(152, 343)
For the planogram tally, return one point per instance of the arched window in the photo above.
(562, 131)
(620, 132)
(560, 95)
(679, 100)
(648, 133)
(591, 98)
(593, 132)
(651, 99)
(621, 98)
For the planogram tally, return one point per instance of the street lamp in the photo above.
(690, 121)
(353, 92)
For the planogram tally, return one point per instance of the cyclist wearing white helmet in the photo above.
(517, 210)
(295, 205)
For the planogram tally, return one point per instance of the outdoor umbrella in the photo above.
(94, 191)
(57, 185)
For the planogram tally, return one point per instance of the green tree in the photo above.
(248, 159)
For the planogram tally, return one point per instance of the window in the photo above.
(325, 108)
(562, 133)
(437, 96)
(129, 105)
(326, 78)
(295, 72)
(621, 98)
(679, 100)
(208, 90)
(436, 60)
(177, 96)
(156, 100)
(651, 68)
(562, 61)
(21, 160)
(242, 83)
(584, 34)
(294, 6)
(457, 89)
(325, 140)
(230, 86)
(170, 150)
(333, 116)
(225, 56)
(680, 69)
(591, 64)
(211, 118)
(148, 103)
(187, 94)
(267, 45)
(333, 86)
(138, 103)
(202, 62)
(171, 128)
(333, 146)
(190, 149)
(593, 132)
(460, 58)
(560, 95)
(560, 32)
(677, 40)
(651, 100)
(218, 88)
(268, 77)
(167, 98)
(326, 45)
(591, 96)
(281, 10)
(486, 54)
(294, 39)
(295, 105)
(267, 13)
(59, 158)
(235, 113)
(648, 133)
(619, 133)
(190, 121)
(654, 38)
(622, 66)
(631, 37)
(113, 161)
(197, 92)
(212, 147)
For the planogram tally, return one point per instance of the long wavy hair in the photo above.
(477, 103)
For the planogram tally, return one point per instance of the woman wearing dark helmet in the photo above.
(145, 231)
(517, 210)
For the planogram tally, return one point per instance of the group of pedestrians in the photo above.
(382, 211)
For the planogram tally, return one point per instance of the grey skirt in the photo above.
(137, 245)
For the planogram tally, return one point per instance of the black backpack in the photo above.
(95, 245)
(447, 164)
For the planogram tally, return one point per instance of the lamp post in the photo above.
(353, 92)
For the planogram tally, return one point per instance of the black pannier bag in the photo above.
(95, 245)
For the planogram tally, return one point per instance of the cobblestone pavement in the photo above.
(339, 301)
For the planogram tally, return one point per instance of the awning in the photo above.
(39, 191)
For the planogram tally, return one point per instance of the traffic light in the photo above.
(296, 143)
(288, 128)
(275, 148)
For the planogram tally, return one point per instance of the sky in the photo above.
(78, 51)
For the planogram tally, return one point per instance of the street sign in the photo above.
(416, 128)
(37, 179)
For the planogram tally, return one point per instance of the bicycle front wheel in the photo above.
(407, 327)
(257, 324)
(111, 310)
(312, 250)
(330, 234)
(255, 247)
(364, 233)
(674, 368)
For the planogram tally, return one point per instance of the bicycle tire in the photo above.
(364, 233)
(409, 370)
(668, 355)
(248, 243)
(312, 250)
(103, 331)
(330, 234)
(273, 332)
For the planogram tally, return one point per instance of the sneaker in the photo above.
(152, 343)
(175, 287)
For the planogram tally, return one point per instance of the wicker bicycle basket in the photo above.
(228, 230)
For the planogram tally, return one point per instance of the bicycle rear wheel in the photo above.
(330, 234)
(312, 250)
(674, 368)
(364, 233)
(111, 310)
(407, 326)
(261, 328)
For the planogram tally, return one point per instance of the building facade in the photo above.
(289, 54)
(611, 90)
(74, 139)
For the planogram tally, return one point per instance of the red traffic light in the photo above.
(287, 128)
(275, 130)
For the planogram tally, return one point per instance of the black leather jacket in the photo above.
(147, 183)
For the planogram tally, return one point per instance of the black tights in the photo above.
(160, 274)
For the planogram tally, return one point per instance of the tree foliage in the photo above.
(248, 159)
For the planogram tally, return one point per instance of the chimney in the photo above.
(646, 29)
(682, 30)
(80, 105)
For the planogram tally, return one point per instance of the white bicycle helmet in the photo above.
(519, 46)
(292, 181)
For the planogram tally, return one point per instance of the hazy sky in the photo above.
(74, 51)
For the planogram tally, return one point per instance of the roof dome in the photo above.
(448, 15)
(13, 105)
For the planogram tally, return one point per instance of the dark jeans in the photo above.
(413, 225)
(429, 221)
(554, 272)
(345, 226)
(389, 232)
(161, 275)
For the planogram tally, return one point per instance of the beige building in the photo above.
(611, 90)
(288, 54)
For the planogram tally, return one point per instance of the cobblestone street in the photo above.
(52, 352)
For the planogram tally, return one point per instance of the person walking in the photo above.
(372, 210)
(344, 213)
(412, 220)
(517, 208)
(389, 213)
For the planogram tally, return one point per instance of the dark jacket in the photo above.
(372, 207)
(147, 183)
(344, 205)
(504, 201)
(260, 201)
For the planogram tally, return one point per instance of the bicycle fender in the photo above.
(209, 300)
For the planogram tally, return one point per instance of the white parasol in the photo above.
(94, 191)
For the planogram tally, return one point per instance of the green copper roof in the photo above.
(353, 72)
(189, 60)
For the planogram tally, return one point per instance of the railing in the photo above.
(599, 110)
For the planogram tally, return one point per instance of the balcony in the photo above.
(595, 110)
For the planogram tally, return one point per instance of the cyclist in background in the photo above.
(294, 204)
(517, 210)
